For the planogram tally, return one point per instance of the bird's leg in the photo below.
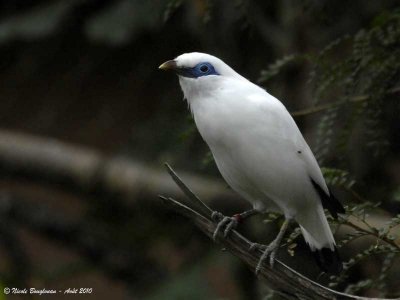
(229, 222)
(273, 247)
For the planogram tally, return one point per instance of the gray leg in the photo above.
(273, 247)
(230, 222)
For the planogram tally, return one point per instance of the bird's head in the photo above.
(199, 71)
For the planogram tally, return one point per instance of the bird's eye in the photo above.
(204, 68)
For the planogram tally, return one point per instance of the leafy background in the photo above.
(85, 72)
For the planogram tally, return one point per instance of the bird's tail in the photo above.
(318, 235)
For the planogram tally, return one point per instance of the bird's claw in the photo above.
(233, 223)
(229, 222)
(216, 216)
(270, 251)
(256, 246)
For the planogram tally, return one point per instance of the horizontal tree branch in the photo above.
(281, 278)
(82, 170)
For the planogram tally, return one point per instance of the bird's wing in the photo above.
(328, 200)
(309, 214)
(313, 170)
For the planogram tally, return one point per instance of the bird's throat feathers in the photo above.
(196, 89)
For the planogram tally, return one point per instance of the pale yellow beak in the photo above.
(168, 65)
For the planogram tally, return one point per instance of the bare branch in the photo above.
(200, 205)
(282, 279)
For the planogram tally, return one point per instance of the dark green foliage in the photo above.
(363, 82)
(337, 177)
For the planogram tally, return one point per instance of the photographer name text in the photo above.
(44, 291)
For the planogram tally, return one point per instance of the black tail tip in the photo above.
(328, 260)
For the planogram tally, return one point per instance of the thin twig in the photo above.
(200, 205)
(373, 233)
(322, 107)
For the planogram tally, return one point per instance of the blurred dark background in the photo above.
(80, 77)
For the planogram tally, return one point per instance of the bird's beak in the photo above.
(168, 65)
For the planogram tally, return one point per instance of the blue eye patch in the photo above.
(199, 70)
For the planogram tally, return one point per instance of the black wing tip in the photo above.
(336, 207)
(329, 261)
(330, 202)
(339, 207)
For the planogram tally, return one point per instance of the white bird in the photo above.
(260, 152)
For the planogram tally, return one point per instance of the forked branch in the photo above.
(281, 278)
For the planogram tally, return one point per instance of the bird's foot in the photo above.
(270, 251)
(223, 221)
